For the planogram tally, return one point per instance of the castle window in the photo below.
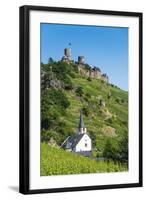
(85, 144)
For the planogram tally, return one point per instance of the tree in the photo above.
(109, 151)
(53, 104)
(124, 148)
(117, 151)
(93, 138)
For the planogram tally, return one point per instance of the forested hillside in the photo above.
(64, 92)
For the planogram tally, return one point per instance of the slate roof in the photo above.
(77, 139)
(81, 122)
(72, 141)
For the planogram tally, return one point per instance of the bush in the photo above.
(109, 95)
(79, 91)
(122, 101)
(86, 111)
(123, 143)
(53, 103)
(117, 151)
(118, 100)
(109, 151)
(89, 79)
(46, 135)
(68, 84)
(88, 95)
(73, 74)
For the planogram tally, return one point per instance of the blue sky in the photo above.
(104, 47)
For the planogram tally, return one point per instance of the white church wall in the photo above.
(84, 144)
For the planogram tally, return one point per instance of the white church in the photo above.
(81, 142)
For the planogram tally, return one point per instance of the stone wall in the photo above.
(93, 73)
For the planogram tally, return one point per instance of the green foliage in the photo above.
(68, 84)
(79, 91)
(123, 150)
(52, 107)
(46, 135)
(86, 111)
(56, 161)
(93, 137)
(110, 151)
(109, 95)
(60, 109)
(55, 97)
(89, 79)
(118, 150)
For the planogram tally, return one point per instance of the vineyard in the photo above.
(55, 161)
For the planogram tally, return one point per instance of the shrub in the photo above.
(122, 101)
(117, 151)
(89, 79)
(79, 91)
(88, 95)
(109, 151)
(86, 111)
(46, 135)
(118, 100)
(73, 74)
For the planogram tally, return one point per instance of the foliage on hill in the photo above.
(64, 92)
(62, 162)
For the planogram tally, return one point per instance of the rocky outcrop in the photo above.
(56, 84)
(109, 131)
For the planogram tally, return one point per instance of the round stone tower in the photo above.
(81, 59)
(67, 53)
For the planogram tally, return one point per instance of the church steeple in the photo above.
(82, 128)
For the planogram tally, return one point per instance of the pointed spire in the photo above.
(81, 122)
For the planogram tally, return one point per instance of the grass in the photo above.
(56, 161)
(96, 120)
(65, 123)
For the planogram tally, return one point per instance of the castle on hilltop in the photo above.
(93, 72)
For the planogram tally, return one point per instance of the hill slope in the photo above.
(62, 162)
(65, 92)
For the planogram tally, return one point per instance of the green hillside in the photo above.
(57, 161)
(64, 92)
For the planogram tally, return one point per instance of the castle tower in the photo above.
(81, 60)
(82, 128)
(67, 53)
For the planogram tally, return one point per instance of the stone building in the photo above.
(104, 77)
(95, 72)
(67, 55)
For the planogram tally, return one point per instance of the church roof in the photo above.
(72, 141)
(81, 122)
(76, 140)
